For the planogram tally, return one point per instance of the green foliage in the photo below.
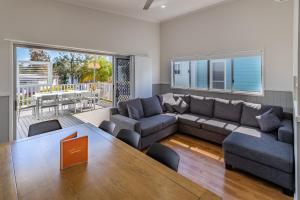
(68, 65)
(74, 66)
(103, 69)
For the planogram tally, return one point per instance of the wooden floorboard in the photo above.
(203, 162)
(65, 117)
(66, 120)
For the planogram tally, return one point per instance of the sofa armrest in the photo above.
(114, 111)
(123, 122)
(285, 132)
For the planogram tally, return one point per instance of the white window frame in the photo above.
(198, 88)
(173, 75)
(211, 81)
(222, 56)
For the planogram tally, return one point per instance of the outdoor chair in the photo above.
(88, 98)
(49, 101)
(26, 104)
(69, 99)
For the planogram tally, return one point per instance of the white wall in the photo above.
(55, 23)
(231, 27)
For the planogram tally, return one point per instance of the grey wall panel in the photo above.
(4, 119)
(156, 89)
(279, 98)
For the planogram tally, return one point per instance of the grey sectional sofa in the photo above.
(232, 124)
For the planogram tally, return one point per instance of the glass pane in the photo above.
(218, 71)
(199, 74)
(181, 74)
(218, 74)
(221, 74)
(248, 74)
(218, 85)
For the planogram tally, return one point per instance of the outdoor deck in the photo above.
(67, 119)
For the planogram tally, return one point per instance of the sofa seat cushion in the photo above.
(150, 125)
(193, 120)
(220, 126)
(262, 148)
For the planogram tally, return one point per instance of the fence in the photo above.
(26, 93)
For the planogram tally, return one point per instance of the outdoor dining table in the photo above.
(38, 96)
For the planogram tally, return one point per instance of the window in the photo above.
(235, 74)
(199, 74)
(181, 74)
(247, 74)
(220, 74)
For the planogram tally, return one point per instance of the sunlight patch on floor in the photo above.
(198, 150)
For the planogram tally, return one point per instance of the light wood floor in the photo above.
(203, 163)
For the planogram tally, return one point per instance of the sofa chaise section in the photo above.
(263, 154)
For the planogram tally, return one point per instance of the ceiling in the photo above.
(134, 8)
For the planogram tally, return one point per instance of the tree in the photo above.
(39, 55)
(84, 69)
(68, 66)
(104, 72)
(103, 69)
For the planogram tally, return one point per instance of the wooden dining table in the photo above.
(30, 169)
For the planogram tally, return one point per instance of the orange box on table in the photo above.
(73, 151)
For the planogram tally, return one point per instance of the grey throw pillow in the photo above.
(180, 106)
(123, 109)
(169, 107)
(268, 122)
(133, 113)
(151, 106)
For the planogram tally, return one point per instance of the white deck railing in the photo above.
(26, 93)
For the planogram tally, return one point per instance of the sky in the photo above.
(23, 54)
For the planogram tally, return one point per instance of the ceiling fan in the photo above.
(148, 4)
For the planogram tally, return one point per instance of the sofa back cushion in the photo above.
(202, 106)
(151, 106)
(133, 113)
(166, 100)
(228, 110)
(136, 103)
(251, 111)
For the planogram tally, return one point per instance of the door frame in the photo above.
(15, 44)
